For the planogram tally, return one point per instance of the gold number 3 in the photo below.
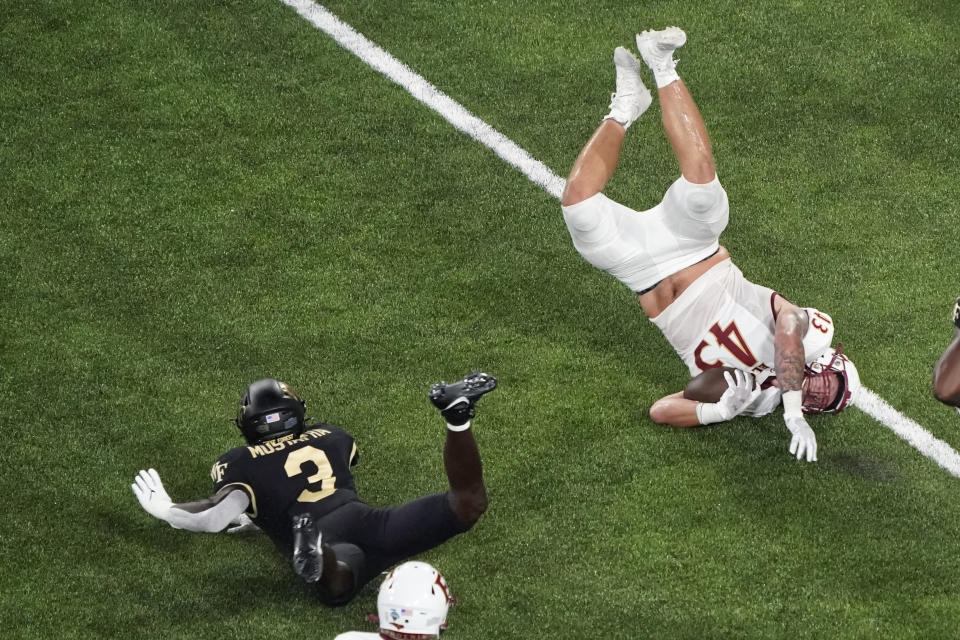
(324, 475)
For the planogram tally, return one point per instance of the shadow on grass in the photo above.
(862, 466)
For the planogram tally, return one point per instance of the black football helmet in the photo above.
(269, 409)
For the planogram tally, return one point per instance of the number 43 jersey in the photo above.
(291, 475)
(723, 319)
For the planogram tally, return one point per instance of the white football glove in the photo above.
(151, 494)
(739, 395)
(803, 441)
(242, 523)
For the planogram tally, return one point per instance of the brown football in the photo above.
(708, 386)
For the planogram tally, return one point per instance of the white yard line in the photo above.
(915, 435)
(541, 175)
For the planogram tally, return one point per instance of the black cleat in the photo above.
(307, 552)
(456, 400)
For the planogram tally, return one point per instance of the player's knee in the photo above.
(469, 505)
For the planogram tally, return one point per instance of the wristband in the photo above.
(708, 413)
(792, 404)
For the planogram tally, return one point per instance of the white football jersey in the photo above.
(641, 248)
(358, 635)
(723, 319)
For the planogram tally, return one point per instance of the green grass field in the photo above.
(199, 194)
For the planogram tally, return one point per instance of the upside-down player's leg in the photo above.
(599, 157)
(682, 121)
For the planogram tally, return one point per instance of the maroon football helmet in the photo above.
(830, 382)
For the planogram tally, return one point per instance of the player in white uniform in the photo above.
(412, 605)
(671, 257)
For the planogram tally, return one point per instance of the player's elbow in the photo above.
(790, 321)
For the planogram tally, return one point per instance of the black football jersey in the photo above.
(291, 475)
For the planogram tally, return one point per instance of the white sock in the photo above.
(666, 76)
(459, 427)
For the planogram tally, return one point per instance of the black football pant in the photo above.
(371, 539)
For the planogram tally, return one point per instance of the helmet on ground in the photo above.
(269, 409)
(830, 383)
(413, 602)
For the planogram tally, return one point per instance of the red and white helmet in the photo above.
(413, 602)
(830, 383)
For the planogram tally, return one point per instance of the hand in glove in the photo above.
(151, 494)
(739, 395)
(803, 441)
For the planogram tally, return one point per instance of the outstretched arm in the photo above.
(209, 515)
(789, 362)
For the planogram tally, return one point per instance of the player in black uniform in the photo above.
(294, 481)
(946, 373)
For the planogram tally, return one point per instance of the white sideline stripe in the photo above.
(419, 88)
(541, 175)
(915, 435)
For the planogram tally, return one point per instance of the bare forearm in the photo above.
(788, 357)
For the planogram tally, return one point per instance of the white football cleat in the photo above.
(632, 98)
(656, 48)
